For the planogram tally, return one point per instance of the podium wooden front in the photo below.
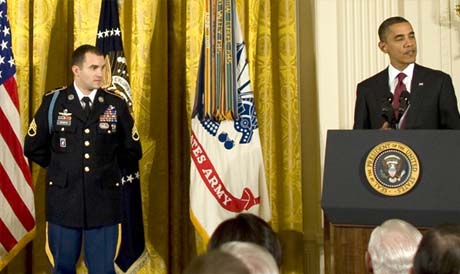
(353, 208)
(344, 248)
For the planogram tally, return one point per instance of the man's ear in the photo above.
(75, 69)
(368, 261)
(383, 47)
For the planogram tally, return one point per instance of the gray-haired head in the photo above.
(392, 247)
(256, 258)
(216, 261)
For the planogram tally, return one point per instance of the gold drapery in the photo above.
(162, 42)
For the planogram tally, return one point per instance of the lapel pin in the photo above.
(70, 97)
(100, 99)
(420, 84)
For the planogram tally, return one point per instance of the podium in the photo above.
(353, 206)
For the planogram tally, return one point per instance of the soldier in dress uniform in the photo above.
(82, 134)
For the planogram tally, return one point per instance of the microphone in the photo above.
(404, 102)
(388, 112)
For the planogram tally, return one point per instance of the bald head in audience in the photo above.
(392, 247)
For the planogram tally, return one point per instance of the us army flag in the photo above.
(227, 172)
(132, 249)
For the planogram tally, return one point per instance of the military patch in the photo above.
(135, 134)
(32, 131)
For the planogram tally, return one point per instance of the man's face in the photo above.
(400, 44)
(90, 74)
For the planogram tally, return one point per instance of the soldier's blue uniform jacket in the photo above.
(83, 156)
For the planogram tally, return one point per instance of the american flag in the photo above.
(17, 210)
(109, 41)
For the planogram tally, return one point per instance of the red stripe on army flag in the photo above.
(225, 150)
(215, 185)
(17, 214)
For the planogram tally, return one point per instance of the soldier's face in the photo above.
(90, 74)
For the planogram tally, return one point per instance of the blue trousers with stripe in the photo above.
(100, 246)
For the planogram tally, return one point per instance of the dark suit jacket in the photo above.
(433, 104)
(83, 157)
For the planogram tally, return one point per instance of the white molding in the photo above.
(347, 53)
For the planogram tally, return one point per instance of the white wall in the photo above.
(347, 52)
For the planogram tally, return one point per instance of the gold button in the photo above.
(86, 155)
(51, 183)
(87, 169)
(87, 131)
(87, 143)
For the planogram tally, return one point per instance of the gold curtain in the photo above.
(162, 40)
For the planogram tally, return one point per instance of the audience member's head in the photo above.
(256, 258)
(392, 247)
(439, 251)
(247, 228)
(216, 261)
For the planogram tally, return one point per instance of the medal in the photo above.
(104, 125)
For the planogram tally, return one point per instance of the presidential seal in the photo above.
(392, 168)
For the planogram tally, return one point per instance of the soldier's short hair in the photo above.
(78, 56)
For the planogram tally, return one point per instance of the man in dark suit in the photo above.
(81, 134)
(432, 100)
